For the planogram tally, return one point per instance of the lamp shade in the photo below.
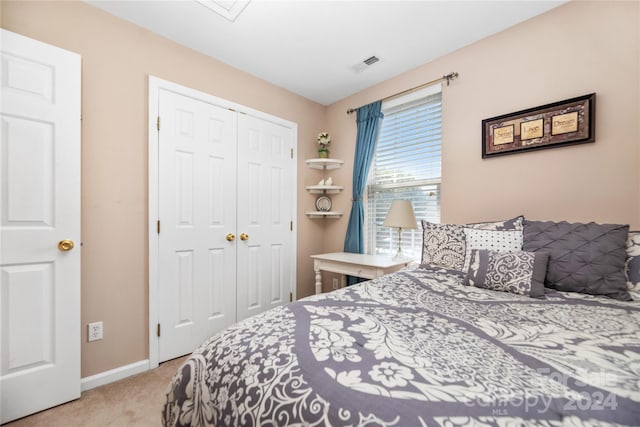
(401, 215)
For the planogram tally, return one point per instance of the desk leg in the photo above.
(318, 280)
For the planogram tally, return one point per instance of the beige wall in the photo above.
(117, 57)
(576, 49)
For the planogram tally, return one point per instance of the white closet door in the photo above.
(40, 200)
(265, 192)
(197, 209)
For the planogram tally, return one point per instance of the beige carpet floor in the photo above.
(132, 402)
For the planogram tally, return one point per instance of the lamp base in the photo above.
(399, 256)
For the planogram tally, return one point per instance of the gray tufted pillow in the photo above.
(587, 258)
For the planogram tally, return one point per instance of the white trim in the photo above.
(113, 375)
(152, 193)
(230, 13)
(155, 85)
(294, 213)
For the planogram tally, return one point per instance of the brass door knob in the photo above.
(231, 237)
(65, 245)
(244, 236)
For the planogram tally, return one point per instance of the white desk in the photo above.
(359, 265)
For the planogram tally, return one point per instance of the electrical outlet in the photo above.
(335, 283)
(94, 331)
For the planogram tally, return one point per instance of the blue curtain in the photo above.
(368, 122)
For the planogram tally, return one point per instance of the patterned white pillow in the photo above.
(497, 241)
(443, 245)
(516, 272)
(507, 224)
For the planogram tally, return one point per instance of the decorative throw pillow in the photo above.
(587, 258)
(499, 241)
(516, 272)
(633, 261)
(507, 224)
(443, 245)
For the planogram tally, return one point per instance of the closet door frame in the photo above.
(155, 85)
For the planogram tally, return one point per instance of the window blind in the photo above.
(407, 165)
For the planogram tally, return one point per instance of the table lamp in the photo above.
(400, 215)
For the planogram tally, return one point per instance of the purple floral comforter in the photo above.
(417, 348)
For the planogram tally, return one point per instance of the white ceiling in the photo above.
(311, 47)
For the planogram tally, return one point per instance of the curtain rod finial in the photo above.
(450, 77)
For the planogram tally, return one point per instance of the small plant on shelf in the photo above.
(324, 140)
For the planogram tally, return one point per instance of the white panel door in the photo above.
(40, 196)
(197, 210)
(265, 190)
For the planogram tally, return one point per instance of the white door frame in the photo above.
(155, 85)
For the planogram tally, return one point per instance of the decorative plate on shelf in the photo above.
(323, 204)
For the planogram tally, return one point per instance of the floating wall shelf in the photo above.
(324, 164)
(319, 214)
(329, 189)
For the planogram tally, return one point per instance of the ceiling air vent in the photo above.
(371, 60)
(365, 64)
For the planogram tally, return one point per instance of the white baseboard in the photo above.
(116, 374)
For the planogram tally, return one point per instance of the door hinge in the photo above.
(290, 298)
(291, 225)
(158, 123)
(158, 226)
(158, 329)
(292, 153)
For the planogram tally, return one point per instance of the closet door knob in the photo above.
(231, 237)
(65, 245)
(244, 236)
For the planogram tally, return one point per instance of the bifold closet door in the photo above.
(265, 189)
(197, 210)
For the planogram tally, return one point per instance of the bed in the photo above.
(421, 347)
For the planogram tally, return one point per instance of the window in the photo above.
(406, 166)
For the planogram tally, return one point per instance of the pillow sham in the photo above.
(586, 258)
(443, 245)
(632, 267)
(507, 224)
(499, 241)
(516, 272)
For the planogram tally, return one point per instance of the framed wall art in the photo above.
(562, 123)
